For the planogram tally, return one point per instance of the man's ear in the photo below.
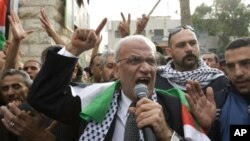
(168, 51)
(116, 71)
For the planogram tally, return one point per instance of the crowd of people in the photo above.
(189, 95)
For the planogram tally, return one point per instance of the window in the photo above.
(143, 33)
(159, 32)
(117, 34)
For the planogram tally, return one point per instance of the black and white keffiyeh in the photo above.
(204, 74)
(95, 131)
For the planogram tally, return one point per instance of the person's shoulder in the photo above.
(219, 83)
(79, 84)
(162, 83)
(223, 78)
(165, 97)
(221, 96)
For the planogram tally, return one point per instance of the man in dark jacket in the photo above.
(186, 63)
(135, 58)
(233, 102)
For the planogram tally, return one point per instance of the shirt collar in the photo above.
(125, 103)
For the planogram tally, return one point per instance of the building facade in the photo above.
(157, 30)
(64, 15)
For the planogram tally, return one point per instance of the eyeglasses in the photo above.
(136, 60)
(178, 29)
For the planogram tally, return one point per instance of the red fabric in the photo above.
(3, 9)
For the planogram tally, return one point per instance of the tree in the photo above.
(227, 19)
(81, 2)
(185, 12)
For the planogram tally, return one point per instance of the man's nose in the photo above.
(29, 69)
(188, 47)
(11, 92)
(238, 70)
(145, 67)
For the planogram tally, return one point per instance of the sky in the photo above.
(98, 9)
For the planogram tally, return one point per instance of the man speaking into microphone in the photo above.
(108, 111)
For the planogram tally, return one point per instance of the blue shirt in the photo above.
(234, 112)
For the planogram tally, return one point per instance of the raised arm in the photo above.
(49, 28)
(85, 39)
(202, 105)
(18, 35)
(99, 37)
(50, 92)
(124, 26)
(96, 48)
(141, 24)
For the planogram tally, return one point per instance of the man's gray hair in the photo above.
(104, 56)
(133, 38)
(25, 76)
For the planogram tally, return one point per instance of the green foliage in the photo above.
(226, 19)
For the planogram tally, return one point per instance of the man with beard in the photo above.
(186, 64)
(107, 62)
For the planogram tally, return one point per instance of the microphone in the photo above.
(140, 91)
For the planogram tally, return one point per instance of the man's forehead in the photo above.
(233, 54)
(31, 64)
(97, 58)
(110, 60)
(207, 55)
(15, 77)
(184, 35)
(136, 49)
(12, 83)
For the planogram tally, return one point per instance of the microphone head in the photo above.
(140, 91)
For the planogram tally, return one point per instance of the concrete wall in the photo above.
(29, 11)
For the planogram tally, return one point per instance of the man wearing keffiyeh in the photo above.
(186, 63)
(100, 110)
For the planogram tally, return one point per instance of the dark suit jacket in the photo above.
(51, 95)
(6, 135)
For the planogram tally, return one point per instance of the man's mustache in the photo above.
(189, 56)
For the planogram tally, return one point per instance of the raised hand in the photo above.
(203, 106)
(98, 42)
(18, 34)
(49, 28)
(85, 39)
(95, 49)
(17, 29)
(45, 22)
(26, 126)
(141, 24)
(124, 26)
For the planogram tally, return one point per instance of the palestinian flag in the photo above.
(96, 100)
(192, 129)
(3, 10)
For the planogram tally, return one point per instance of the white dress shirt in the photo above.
(122, 115)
